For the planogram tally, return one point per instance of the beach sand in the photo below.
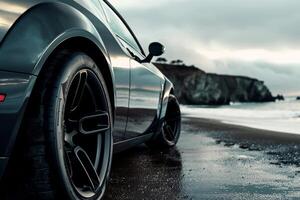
(211, 161)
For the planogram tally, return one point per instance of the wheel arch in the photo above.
(40, 32)
(47, 27)
(168, 89)
(74, 44)
(87, 46)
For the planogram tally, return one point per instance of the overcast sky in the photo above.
(257, 38)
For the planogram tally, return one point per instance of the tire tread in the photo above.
(32, 147)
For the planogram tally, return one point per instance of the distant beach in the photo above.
(279, 116)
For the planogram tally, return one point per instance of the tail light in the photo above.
(2, 97)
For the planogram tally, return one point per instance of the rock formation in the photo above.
(194, 86)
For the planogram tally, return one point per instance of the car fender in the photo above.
(165, 97)
(31, 40)
(167, 90)
(39, 31)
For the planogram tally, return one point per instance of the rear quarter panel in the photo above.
(18, 87)
(38, 31)
(30, 31)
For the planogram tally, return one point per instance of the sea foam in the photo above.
(281, 116)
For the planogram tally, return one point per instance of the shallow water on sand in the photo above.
(209, 163)
(221, 172)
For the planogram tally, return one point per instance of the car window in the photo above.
(119, 28)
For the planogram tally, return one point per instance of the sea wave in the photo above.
(278, 116)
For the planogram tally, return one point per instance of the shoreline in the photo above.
(247, 132)
(282, 148)
(281, 116)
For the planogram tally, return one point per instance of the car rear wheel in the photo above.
(170, 132)
(68, 132)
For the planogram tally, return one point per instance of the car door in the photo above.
(145, 92)
(120, 61)
(146, 81)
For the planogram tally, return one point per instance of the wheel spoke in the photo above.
(69, 154)
(169, 131)
(94, 123)
(69, 138)
(173, 119)
(87, 168)
(79, 90)
(99, 151)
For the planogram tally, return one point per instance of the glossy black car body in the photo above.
(31, 30)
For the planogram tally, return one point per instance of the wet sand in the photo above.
(212, 161)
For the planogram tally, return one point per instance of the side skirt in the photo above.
(126, 144)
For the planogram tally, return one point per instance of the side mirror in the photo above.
(155, 49)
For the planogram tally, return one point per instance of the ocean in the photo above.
(280, 116)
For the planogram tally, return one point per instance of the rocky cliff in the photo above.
(194, 86)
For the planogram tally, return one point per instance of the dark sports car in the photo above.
(75, 86)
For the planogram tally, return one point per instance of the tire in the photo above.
(171, 128)
(68, 132)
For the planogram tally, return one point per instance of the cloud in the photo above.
(225, 36)
(281, 79)
(283, 56)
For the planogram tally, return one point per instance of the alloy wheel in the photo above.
(171, 125)
(86, 133)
